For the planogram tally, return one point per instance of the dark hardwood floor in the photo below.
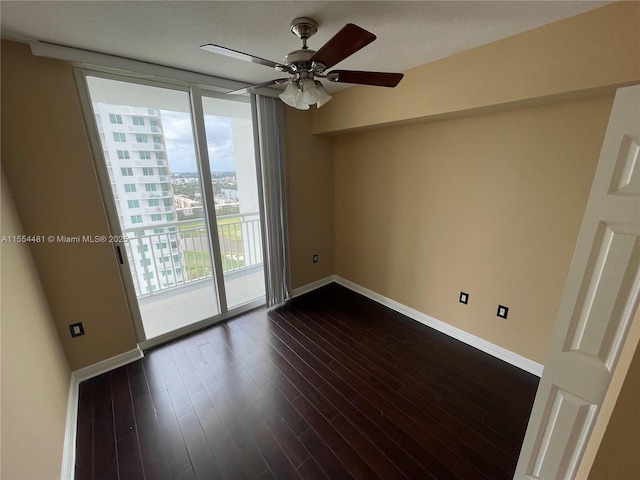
(333, 386)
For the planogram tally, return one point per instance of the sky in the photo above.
(178, 137)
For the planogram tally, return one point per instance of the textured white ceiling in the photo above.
(169, 33)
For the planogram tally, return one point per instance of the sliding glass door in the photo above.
(164, 200)
(231, 153)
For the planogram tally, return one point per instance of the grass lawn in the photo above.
(229, 232)
(199, 264)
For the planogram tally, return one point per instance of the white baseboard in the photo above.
(476, 342)
(312, 286)
(107, 365)
(69, 449)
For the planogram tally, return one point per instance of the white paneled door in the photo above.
(597, 307)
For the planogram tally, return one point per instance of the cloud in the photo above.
(219, 143)
(178, 136)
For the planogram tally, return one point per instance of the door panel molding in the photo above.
(597, 308)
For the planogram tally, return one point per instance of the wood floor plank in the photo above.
(376, 459)
(356, 465)
(84, 450)
(289, 442)
(223, 418)
(275, 457)
(105, 464)
(324, 456)
(200, 454)
(137, 380)
(310, 470)
(328, 386)
(284, 409)
(129, 459)
(154, 462)
(172, 443)
(124, 419)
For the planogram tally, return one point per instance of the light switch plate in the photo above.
(464, 298)
(503, 311)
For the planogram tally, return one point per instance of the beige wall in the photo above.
(310, 199)
(597, 50)
(35, 373)
(490, 205)
(48, 165)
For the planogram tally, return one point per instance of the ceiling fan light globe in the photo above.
(324, 96)
(300, 103)
(310, 94)
(290, 94)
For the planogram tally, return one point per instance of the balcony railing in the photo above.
(158, 209)
(145, 146)
(164, 256)
(155, 194)
(140, 111)
(143, 129)
(150, 163)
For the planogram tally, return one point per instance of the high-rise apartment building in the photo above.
(136, 157)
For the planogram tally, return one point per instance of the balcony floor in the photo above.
(181, 306)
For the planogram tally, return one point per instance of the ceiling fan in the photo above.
(305, 65)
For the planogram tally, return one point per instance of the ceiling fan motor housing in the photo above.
(298, 61)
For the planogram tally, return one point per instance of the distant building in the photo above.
(185, 180)
(138, 167)
(186, 205)
(229, 193)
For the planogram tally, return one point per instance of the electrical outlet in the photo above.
(464, 298)
(76, 329)
(315, 258)
(503, 311)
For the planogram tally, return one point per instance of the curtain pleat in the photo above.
(271, 170)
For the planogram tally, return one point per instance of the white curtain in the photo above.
(270, 167)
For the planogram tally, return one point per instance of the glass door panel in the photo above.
(229, 131)
(148, 145)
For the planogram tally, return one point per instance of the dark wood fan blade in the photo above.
(277, 81)
(380, 79)
(344, 43)
(241, 56)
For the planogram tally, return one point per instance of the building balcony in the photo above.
(155, 194)
(148, 163)
(144, 146)
(159, 209)
(149, 129)
(140, 111)
(153, 179)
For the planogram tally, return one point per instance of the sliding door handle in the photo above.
(119, 255)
